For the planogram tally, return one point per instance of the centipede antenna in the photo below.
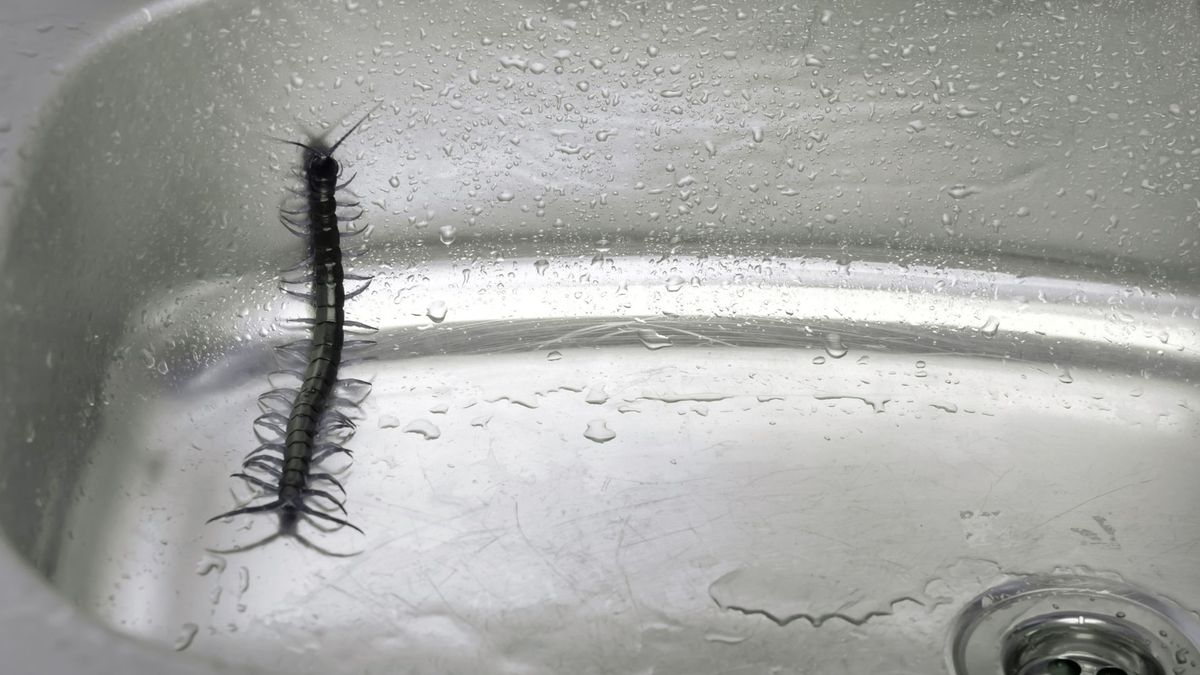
(297, 144)
(356, 125)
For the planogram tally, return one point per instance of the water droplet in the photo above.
(990, 326)
(833, 345)
(297, 81)
(652, 339)
(818, 360)
(425, 428)
(187, 633)
(962, 191)
(598, 431)
(505, 196)
(388, 422)
(436, 311)
(540, 266)
(394, 181)
(447, 233)
(675, 282)
(209, 563)
(596, 396)
(756, 133)
(243, 580)
(554, 355)
(1064, 376)
(724, 639)
(916, 125)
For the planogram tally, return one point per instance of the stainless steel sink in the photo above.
(713, 338)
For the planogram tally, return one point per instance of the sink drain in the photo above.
(1068, 625)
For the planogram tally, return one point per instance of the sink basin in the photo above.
(711, 339)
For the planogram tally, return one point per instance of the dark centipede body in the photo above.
(300, 426)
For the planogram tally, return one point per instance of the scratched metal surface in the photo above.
(713, 339)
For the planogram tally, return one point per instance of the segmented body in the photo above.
(300, 425)
(328, 330)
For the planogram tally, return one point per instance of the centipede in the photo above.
(305, 424)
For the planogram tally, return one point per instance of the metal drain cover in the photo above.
(1072, 625)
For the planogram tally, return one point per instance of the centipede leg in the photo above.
(329, 479)
(358, 291)
(322, 494)
(256, 481)
(273, 506)
(329, 451)
(262, 465)
(325, 516)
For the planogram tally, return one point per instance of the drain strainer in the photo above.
(1069, 625)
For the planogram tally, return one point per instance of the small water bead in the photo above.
(598, 431)
(187, 633)
(425, 428)
(833, 346)
(436, 311)
(209, 563)
(652, 339)
(990, 327)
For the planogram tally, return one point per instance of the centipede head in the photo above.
(319, 164)
(321, 167)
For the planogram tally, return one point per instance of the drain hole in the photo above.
(1073, 625)
(1069, 667)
